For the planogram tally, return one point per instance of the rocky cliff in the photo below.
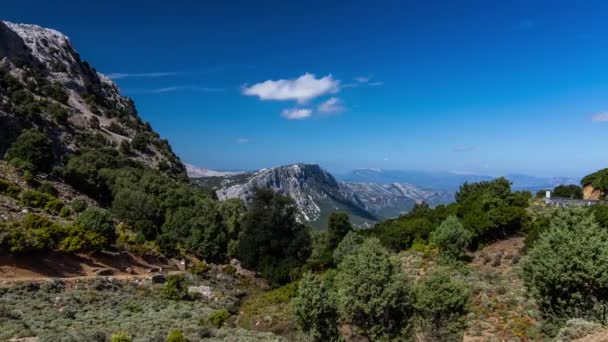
(44, 84)
(317, 193)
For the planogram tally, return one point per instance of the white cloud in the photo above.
(118, 75)
(242, 140)
(362, 79)
(463, 148)
(600, 117)
(332, 106)
(296, 113)
(301, 89)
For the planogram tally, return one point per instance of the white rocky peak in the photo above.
(47, 45)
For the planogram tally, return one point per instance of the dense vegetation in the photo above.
(487, 210)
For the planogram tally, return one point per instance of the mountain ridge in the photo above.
(45, 85)
(317, 193)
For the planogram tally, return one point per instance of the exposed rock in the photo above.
(317, 193)
(43, 66)
(203, 290)
(589, 193)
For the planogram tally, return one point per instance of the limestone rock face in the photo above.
(589, 193)
(44, 84)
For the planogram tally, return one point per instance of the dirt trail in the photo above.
(53, 265)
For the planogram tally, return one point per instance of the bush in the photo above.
(350, 242)
(35, 199)
(10, 189)
(78, 205)
(441, 306)
(314, 311)
(199, 268)
(48, 188)
(121, 337)
(33, 233)
(566, 270)
(53, 206)
(176, 336)
(218, 318)
(99, 221)
(372, 293)
(452, 238)
(176, 288)
(75, 238)
(33, 148)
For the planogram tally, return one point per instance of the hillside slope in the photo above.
(44, 84)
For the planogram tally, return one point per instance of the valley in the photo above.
(106, 235)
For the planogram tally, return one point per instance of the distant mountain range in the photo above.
(317, 193)
(449, 181)
(367, 195)
(197, 172)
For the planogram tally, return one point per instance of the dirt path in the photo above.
(45, 266)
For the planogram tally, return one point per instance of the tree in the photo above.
(567, 268)
(272, 241)
(351, 241)
(313, 310)
(338, 226)
(441, 305)
(99, 221)
(31, 151)
(568, 191)
(372, 293)
(452, 238)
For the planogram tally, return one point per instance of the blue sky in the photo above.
(471, 86)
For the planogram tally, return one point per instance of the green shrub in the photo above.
(566, 269)
(35, 199)
(33, 148)
(118, 129)
(314, 311)
(176, 288)
(75, 238)
(78, 205)
(33, 233)
(10, 189)
(452, 238)
(372, 293)
(65, 212)
(48, 188)
(176, 336)
(441, 305)
(121, 337)
(199, 268)
(349, 243)
(54, 206)
(229, 269)
(99, 221)
(217, 318)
